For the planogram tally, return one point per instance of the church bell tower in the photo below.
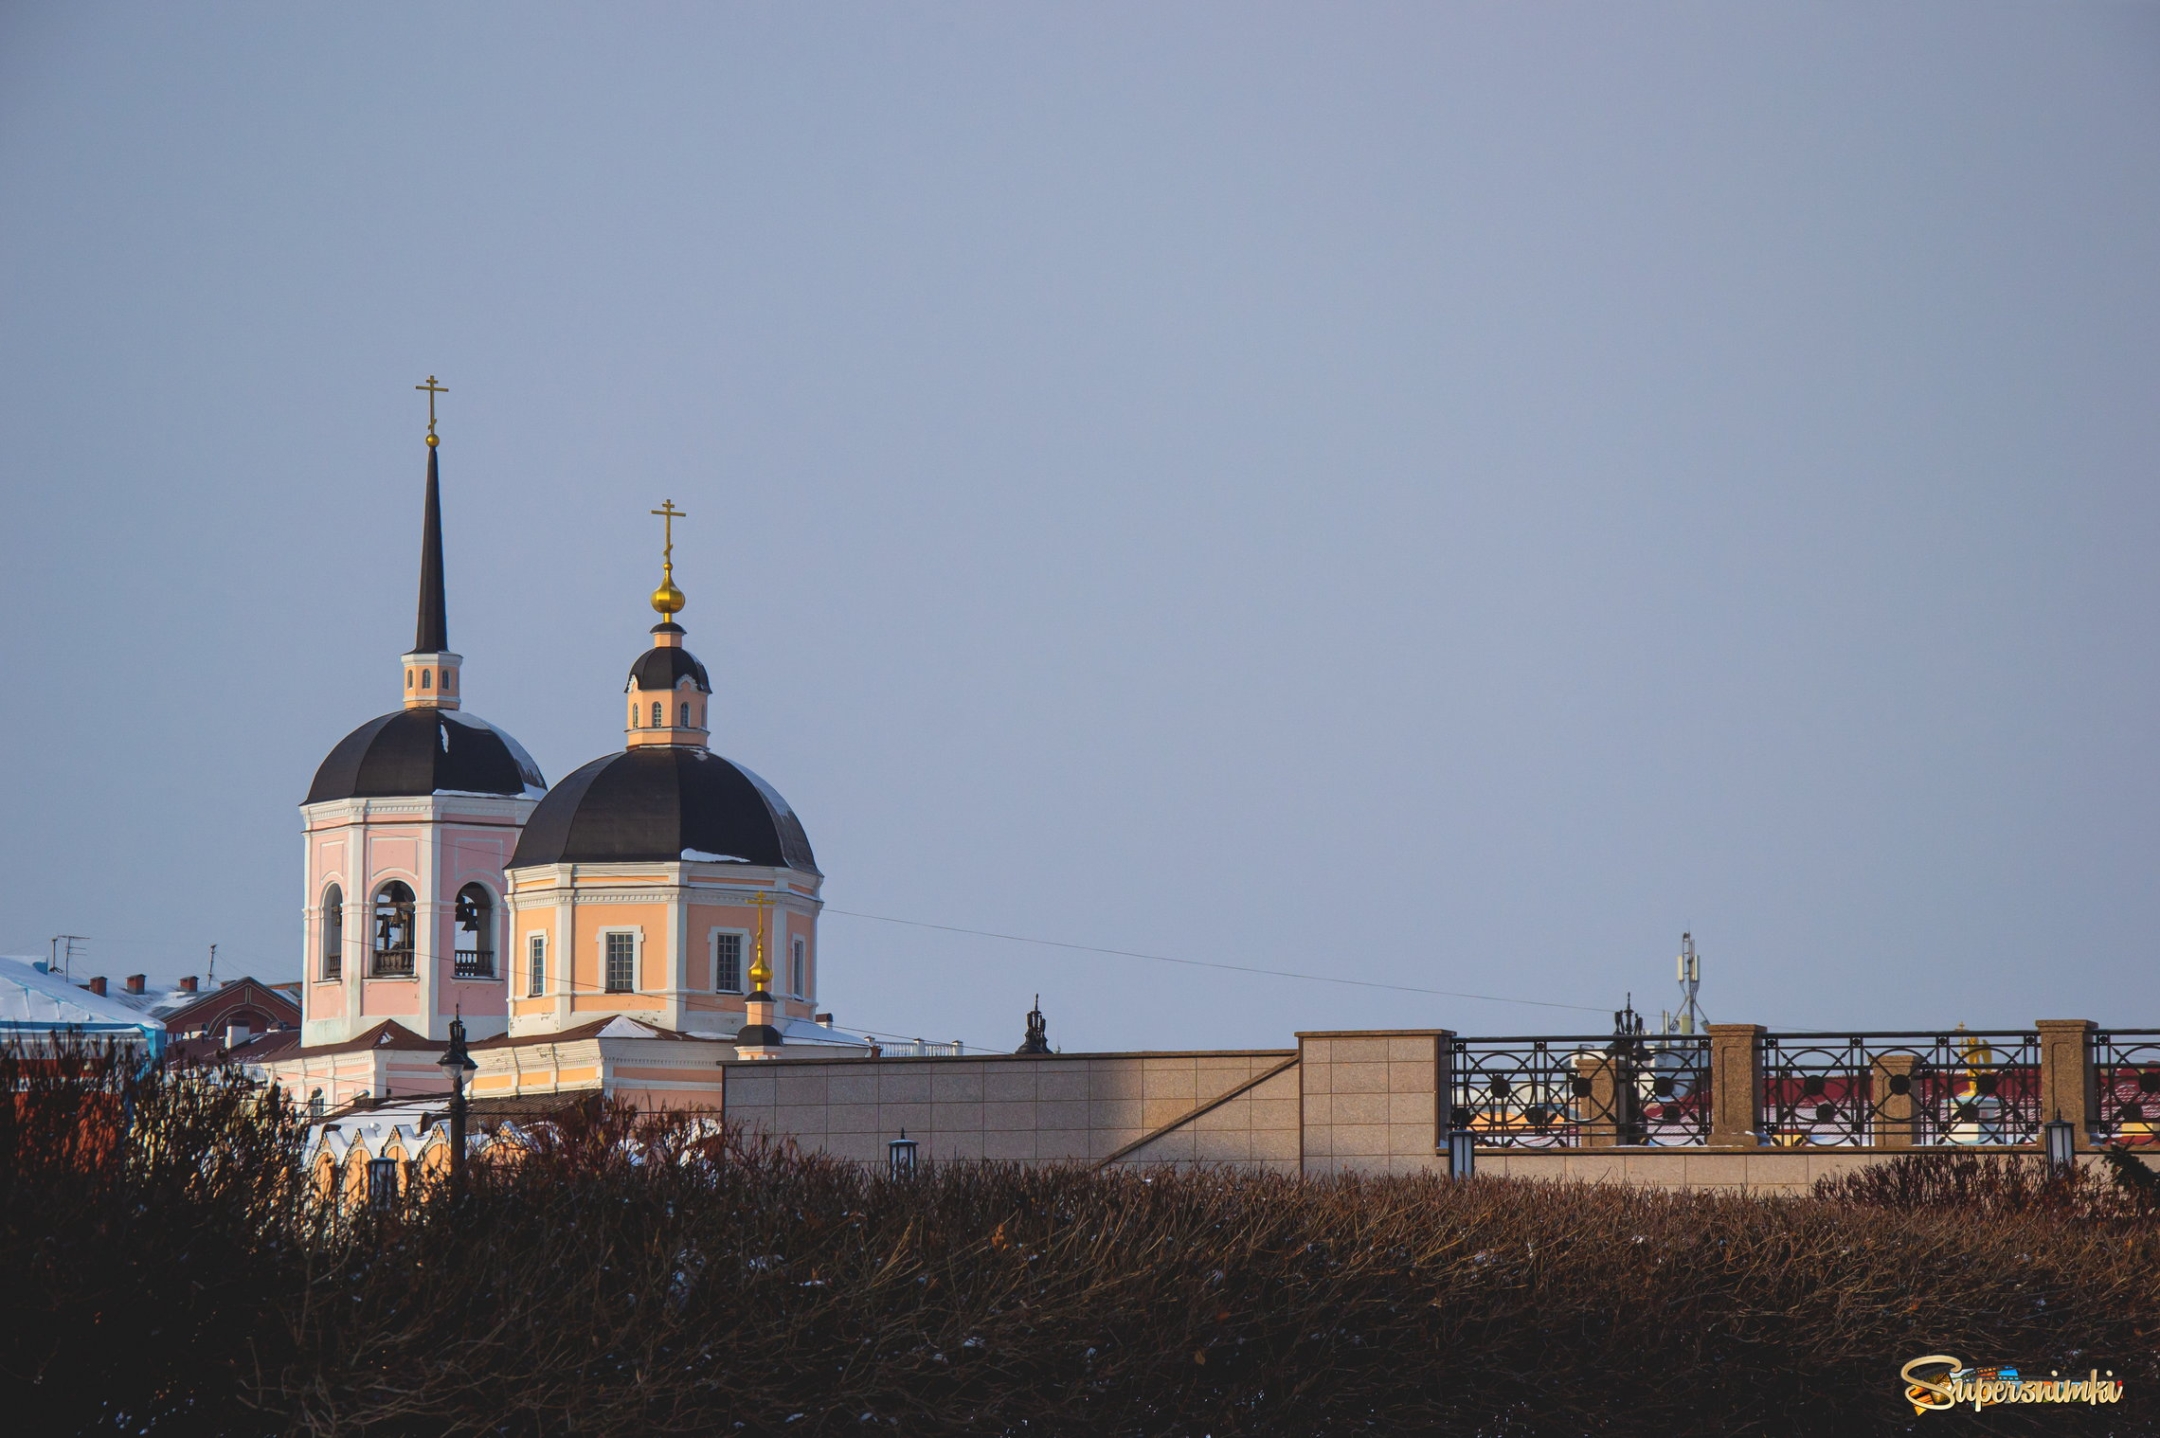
(409, 824)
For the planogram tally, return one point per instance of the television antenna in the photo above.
(64, 959)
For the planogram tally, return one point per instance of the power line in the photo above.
(1209, 964)
(1163, 959)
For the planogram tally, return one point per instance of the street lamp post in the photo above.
(457, 1063)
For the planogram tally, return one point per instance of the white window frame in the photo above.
(798, 967)
(637, 958)
(533, 937)
(742, 958)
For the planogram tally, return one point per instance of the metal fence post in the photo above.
(1736, 1086)
(2067, 1089)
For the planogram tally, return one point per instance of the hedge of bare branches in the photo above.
(651, 1276)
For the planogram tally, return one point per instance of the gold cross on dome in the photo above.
(668, 515)
(433, 389)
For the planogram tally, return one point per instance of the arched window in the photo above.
(657, 720)
(686, 716)
(475, 933)
(393, 946)
(633, 714)
(797, 973)
(425, 676)
(333, 932)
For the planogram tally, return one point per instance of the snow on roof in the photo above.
(808, 1031)
(33, 1000)
(413, 1125)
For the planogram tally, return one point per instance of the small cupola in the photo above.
(668, 689)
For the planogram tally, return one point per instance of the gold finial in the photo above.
(433, 389)
(760, 970)
(667, 598)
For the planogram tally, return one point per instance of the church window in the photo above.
(621, 963)
(686, 716)
(333, 932)
(633, 714)
(657, 721)
(425, 675)
(408, 679)
(393, 945)
(795, 970)
(727, 963)
(475, 933)
(536, 966)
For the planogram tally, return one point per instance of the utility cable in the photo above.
(1210, 964)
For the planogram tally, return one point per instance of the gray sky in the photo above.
(1445, 496)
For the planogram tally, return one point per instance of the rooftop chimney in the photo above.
(135, 983)
(235, 1035)
(187, 985)
(97, 986)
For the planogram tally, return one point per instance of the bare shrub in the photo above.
(1996, 1184)
(632, 1274)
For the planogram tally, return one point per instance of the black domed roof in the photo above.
(426, 751)
(662, 668)
(663, 803)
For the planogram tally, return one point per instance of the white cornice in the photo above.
(492, 811)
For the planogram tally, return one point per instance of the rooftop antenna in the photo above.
(1690, 965)
(64, 960)
(213, 966)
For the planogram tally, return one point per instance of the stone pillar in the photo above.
(2068, 1087)
(1607, 1115)
(1374, 1100)
(1736, 1085)
(1897, 1107)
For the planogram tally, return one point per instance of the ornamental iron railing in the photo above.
(2126, 1078)
(1582, 1091)
(1901, 1090)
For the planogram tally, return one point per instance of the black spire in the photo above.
(432, 635)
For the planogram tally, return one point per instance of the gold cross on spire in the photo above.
(667, 599)
(433, 389)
